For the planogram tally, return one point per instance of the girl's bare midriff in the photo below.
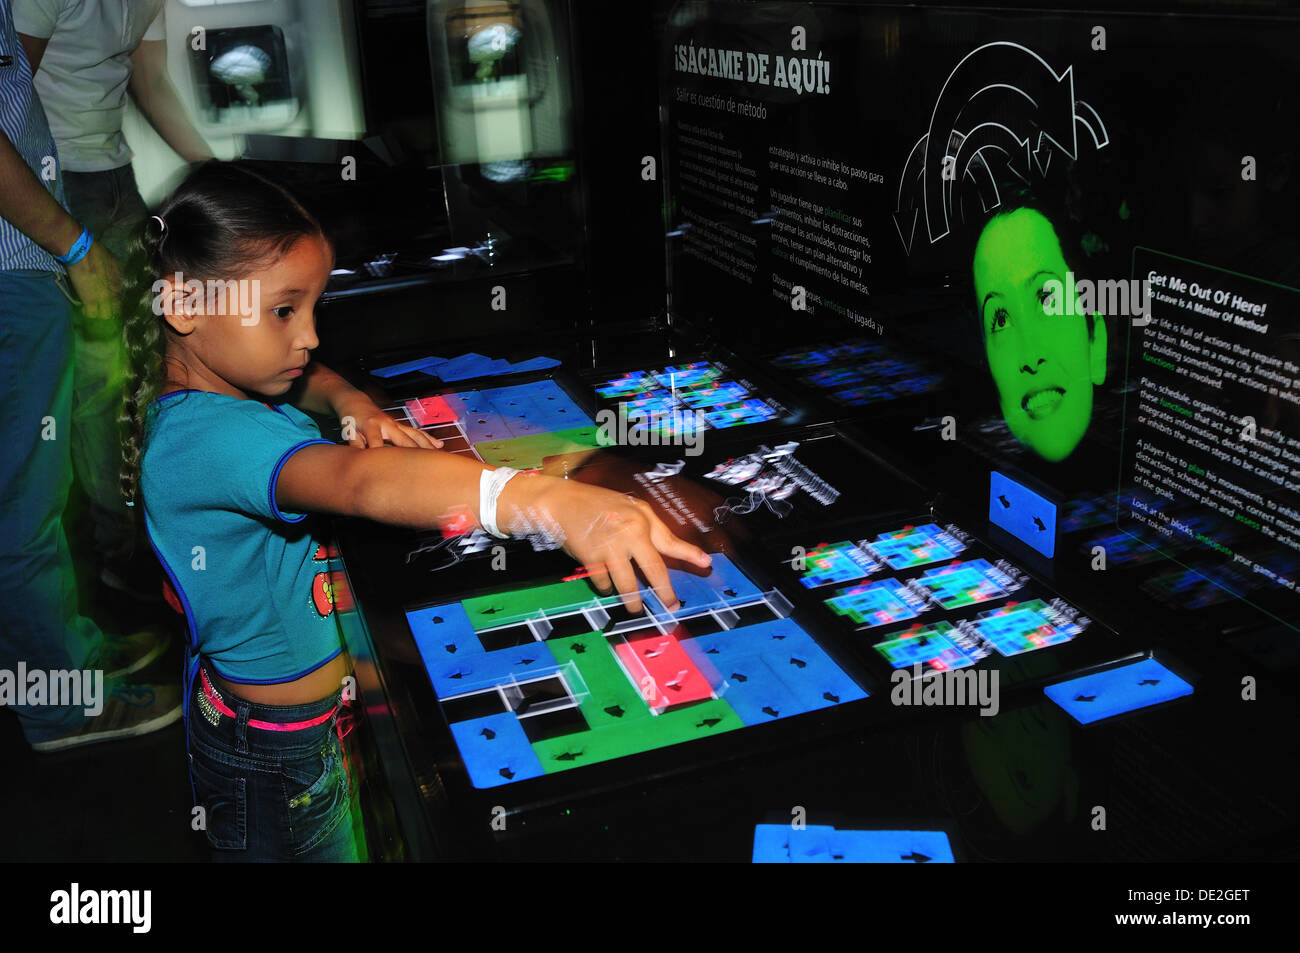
(325, 682)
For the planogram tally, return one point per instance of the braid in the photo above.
(145, 342)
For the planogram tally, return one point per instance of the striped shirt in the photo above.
(22, 120)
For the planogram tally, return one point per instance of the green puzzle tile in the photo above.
(506, 608)
(616, 741)
(526, 453)
(606, 681)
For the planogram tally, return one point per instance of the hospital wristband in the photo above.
(78, 250)
(490, 485)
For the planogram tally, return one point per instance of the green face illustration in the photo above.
(1044, 364)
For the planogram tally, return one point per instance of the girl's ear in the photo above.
(170, 303)
(1097, 350)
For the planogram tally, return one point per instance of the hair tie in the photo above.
(157, 231)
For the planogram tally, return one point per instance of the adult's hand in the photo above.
(97, 281)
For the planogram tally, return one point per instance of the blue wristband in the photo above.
(78, 250)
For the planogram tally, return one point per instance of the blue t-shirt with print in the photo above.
(252, 578)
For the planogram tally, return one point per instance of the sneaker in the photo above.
(120, 655)
(129, 711)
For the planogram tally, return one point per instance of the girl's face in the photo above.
(261, 338)
(1043, 359)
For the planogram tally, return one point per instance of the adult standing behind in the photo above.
(42, 630)
(86, 55)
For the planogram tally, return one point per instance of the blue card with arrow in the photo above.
(822, 844)
(1117, 691)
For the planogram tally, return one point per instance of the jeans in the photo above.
(272, 795)
(40, 625)
(109, 204)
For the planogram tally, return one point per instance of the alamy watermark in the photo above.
(58, 687)
(675, 428)
(133, 908)
(215, 297)
(947, 688)
(1126, 297)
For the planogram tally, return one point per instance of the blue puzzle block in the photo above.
(484, 426)
(802, 665)
(891, 847)
(771, 844)
(459, 403)
(452, 638)
(721, 648)
(754, 691)
(813, 678)
(783, 844)
(811, 844)
(707, 592)
(534, 364)
(495, 750)
(1026, 515)
(1117, 690)
(821, 844)
(419, 364)
(455, 676)
(807, 673)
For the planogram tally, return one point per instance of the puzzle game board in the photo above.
(553, 677)
(515, 426)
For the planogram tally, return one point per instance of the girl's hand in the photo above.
(604, 530)
(371, 427)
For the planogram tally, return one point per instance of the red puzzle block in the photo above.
(658, 664)
(430, 411)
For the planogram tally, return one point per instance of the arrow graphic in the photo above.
(1050, 93)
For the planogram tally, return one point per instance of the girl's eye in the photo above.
(1000, 320)
(282, 312)
(1047, 298)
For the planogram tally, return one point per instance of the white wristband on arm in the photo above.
(490, 485)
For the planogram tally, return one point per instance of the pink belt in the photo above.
(342, 727)
(220, 705)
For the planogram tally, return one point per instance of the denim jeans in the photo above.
(109, 204)
(40, 624)
(271, 795)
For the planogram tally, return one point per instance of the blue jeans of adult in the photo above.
(271, 795)
(109, 204)
(41, 625)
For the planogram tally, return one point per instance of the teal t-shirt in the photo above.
(252, 579)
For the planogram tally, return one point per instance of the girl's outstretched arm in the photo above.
(606, 531)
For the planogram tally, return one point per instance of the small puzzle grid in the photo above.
(836, 563)
(670, 393)
(1020, 627)
(553, 677)
(915, 546)
(877, 603)
(936, 648)
(516, 426)
(963, 583)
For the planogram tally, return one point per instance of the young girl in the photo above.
(229, 469)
